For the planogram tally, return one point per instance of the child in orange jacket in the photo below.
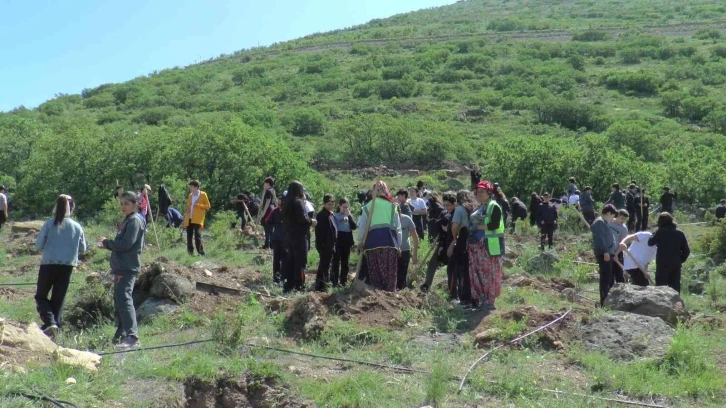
(197, 206)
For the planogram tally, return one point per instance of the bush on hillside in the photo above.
(306, 122)
(713, 243)
(398, 89)
(572, 115)
(642, 82)
(590, 35)
(707, 34)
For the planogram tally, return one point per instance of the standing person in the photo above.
(326, 237)
(503, 203)
(630, 206)
(434, 213)
(587, 205)
(197, 207)
(519, 212)
(125, 265)
(381, 246)
(486, 247)
(61, 240)
(457, 251)
(642, 221)
(345, 224)
(402, 200)
(673, 251)
(616, 197)
(278, 235)
(144, 202)
(423, 191)
(268, 204)
(574, 200)
(475, 175)
(534, 201)
(547, 221)
(620, 231)
(642, 253)
(604, 247)
(721, 210)
(3, 207)
(439, 255)
(419, 210)
(572, 187)
(666, 200)
(165, 200)
(297, 225)
(408, 233)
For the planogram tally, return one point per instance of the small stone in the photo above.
(70, 381)
(207, 272)
(294, 370)
(93, 277)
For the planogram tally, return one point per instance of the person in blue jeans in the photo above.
(125, 266)
(61, 240)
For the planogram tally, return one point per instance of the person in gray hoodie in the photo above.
(61, 240)
(604, 247)
(125, 265)
(587, 206)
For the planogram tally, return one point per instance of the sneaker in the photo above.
(50, 330)
(129, 342)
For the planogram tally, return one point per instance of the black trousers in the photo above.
(532, 220)
(618, 273)
(401, 278)
(632, 219)
(642, 224)
(193, 230)
(276, 261)
(3, 219)
(433, 231)
(668, 275)
(268, 236)
(605, 268)
(418, 222)
(341, 264)
(322, 279)
(637, 277)
(589, 216)
(53, 279)
(294, 261)
(462, 273)
(548, 231)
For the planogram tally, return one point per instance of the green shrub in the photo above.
(630, 56)
(572, 115)
(399, 89)
(306, 122)
(713, 243)
(590, 35)
(643, 82)
(707, 34)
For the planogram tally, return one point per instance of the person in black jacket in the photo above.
(475, 176)
(519, 212)
(630, 206)
(673, 251)
(326, 238)
(616, 198)
(534, 202)
(547, 221)
(721, 210)
(642, 223)
(295, 244)
(345, 224)
(434, 213)
(666, 200)
(278, 235)
(501, 199)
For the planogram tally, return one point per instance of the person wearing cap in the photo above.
(380, 243)
(666, 200)
(547, 221)
(721, 210)
(3, 207)
(485, 246)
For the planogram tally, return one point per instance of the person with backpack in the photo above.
(61, 240)
(3, 206)
(125, 266)
(345, 224)
(673, 251)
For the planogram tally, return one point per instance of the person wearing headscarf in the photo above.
(672, 253)
(380, 241)
(534, 202)
(297, 224)
(485, 247)
(61, 240)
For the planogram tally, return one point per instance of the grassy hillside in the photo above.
(533, 91)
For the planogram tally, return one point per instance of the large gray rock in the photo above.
(654, 301)
(173, 287)
(625, 336)
(155, 307)
(27, 226)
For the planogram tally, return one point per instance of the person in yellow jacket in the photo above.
(197, 206)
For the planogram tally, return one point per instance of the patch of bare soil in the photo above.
(246, 392)
(210, 273)
(208, 304)
(23, 244)
(555, 284)
(10, 294)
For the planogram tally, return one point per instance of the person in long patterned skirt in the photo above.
(382, 240)
(485, 248)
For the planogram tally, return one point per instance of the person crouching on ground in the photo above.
(345, 224)
(486, 247)
(604, 247)
(673, 251)
(643, 255)
(326, 237)
(519, 212)
(61, 240)
(197, 207)
(125, 265)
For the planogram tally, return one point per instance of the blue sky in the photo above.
(51, 47)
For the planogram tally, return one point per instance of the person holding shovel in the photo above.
(638, 256)
(197, 207)
(379, 236)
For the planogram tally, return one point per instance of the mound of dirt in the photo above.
(246, 392)
(93, 306)
(555, 284)
(372, 307)
(24, 244)
(542, 263)
(21, 344)
(553, 337)
(308, 317)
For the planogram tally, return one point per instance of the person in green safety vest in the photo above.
(381, 241)
(486, 247)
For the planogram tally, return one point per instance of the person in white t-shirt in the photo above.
(419, 210)
(3, 207)
(643, 253)
(574, 199)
